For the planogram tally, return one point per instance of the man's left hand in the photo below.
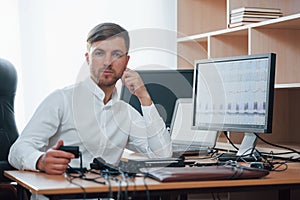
(132, 80)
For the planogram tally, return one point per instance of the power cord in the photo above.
(70, 178)
(213, 196)
(276, 145)
(268, 164)
(126, 182)
(146, 186)
(145, 175)
(229, 140)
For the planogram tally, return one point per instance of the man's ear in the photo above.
(87, 58)
(128, 57)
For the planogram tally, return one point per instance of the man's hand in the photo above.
(54, 161)
(132, 80)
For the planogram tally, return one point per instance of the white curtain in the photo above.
(45, 40)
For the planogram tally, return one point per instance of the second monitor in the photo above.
(164, 87)
(235, 94)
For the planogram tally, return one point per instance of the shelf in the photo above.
(286, 22)
(290, 85)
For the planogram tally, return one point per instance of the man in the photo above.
(89, 115)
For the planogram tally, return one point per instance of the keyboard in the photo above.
(184, 149)
(134, 165)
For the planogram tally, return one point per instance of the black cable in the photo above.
(146, 186)
(238, 169)
(279, 153)
(111, 175)
(126, 182)
(270, 164)
(119, 196)
(261, 154)
(93, 180)
(131, 177)
(267, 162)
(229, 140)
(70, 171)
(279, 164)
(70, 179)
(291, 159)
(218, 196)
(244, 155)
(213, 196)
(105, 175)
(276, 145)
(269, 143)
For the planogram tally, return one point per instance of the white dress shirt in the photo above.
(78, 116)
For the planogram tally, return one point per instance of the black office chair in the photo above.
(8, 129)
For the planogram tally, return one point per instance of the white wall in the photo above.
(52, 35)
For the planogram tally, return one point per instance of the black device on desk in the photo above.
(71, 149)
(100, 164)
(235, 94)
(134, 165)
(74, 150)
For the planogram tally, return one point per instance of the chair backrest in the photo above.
(8, 129)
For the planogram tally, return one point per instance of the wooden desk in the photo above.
(54, 186)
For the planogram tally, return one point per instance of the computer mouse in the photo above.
(260, 165)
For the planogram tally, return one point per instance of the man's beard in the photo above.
(102, 79)
(108, 83)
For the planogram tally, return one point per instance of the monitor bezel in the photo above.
(267, 128)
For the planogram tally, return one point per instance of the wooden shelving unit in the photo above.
(203, 33)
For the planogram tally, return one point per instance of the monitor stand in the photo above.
(245, 152)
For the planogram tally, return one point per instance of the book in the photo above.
(256, 14)
(245, 15)
(255, 9)
(232, 25)
(248, 19)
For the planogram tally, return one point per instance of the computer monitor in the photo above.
(164, 87)
(235, 94)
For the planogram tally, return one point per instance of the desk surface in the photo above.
(41, 183)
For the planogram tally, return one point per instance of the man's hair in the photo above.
(105, 31)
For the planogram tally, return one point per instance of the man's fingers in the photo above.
(54, 162)
(125, 75)
(55, 159)
(58, 144)
(56, 169)
(131, 80)
(59, 154)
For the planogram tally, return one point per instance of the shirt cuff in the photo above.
(31, 161)
(153, 120)
(150, 113)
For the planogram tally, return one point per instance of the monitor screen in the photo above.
(234, 94)
(164, 87)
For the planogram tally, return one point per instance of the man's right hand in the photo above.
(54, 161)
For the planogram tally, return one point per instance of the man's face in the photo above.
(107, 60)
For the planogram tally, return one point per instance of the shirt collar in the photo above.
(98, 92)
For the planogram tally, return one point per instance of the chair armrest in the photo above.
(4, 165)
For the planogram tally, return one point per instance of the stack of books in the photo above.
(248, 15)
